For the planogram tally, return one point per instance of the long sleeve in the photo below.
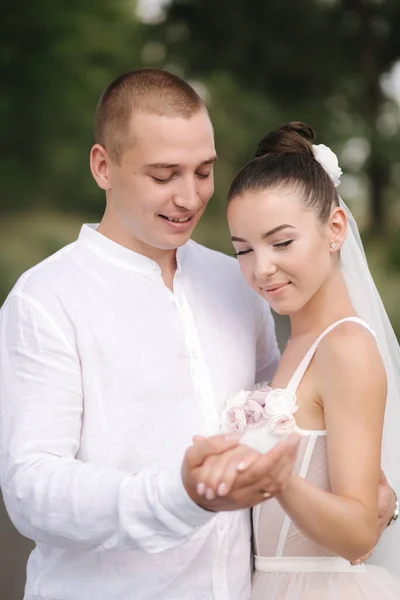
(51, 496)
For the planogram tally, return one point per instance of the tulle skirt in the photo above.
(370, 583)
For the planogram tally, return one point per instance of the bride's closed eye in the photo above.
(278, 245)
(283, 244)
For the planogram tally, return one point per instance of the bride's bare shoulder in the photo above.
(350, 351)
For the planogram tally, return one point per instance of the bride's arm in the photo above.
(351, 383)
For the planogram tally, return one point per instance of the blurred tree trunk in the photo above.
(371, 108)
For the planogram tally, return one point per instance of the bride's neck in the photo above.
(329, 304)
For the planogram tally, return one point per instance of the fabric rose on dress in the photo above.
(280, 402)
(267, 406)
(241, 412)
(282, 424)
(329, 161)
(280, 406)
(259, 394)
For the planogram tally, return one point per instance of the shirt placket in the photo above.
(220, 566)
(199, 369)
(207, 402)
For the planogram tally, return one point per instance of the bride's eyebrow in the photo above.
(276, 230)
(267, 234)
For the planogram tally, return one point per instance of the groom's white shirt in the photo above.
(105, 376)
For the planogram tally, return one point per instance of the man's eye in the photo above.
(158, 180)
(203, 175)
(242, 252)
(283, 244)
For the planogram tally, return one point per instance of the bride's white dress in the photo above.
(289, 566)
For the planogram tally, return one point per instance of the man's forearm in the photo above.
(70, 504)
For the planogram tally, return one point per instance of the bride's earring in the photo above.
(333, 245)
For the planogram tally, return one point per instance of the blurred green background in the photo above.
(332, 63)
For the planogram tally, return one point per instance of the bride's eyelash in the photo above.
(280, 245)
(283, 244)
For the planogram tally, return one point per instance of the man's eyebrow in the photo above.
(209, 161)
(265, 235)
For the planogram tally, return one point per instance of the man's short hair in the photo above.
(144, 90)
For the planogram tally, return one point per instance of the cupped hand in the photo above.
(386, 508)
(223, 475)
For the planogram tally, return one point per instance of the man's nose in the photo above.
(187, 195)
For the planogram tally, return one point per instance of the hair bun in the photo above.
(292, 138)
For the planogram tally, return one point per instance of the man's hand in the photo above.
(221, 475)
(386, 508)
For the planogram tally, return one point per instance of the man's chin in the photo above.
(175, 241)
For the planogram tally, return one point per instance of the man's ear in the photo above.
(99, 166)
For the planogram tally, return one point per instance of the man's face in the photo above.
(161, 187)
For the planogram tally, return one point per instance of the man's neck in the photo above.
(166, 259)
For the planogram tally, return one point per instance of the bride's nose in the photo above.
(264, 269)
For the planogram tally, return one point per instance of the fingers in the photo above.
(382, 479)
(203, 447)
(218, 472)
(237, 465)
(206, 475)
(386, 503)
(272, 470)
(362, 559)
(247, 475)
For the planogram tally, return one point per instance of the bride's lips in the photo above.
(275, 289)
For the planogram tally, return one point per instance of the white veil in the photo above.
(368, 305)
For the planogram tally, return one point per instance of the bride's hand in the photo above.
(248, 476)
(386, 507)
(218, 473)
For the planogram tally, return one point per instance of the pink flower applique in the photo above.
(264, 405)
(241, 411)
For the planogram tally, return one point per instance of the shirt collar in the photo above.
(124, 257)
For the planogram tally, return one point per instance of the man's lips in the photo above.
(179, 223)
(178, 218)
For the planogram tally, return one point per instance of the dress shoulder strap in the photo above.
(301, 369)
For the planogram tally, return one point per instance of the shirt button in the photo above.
(221, 525)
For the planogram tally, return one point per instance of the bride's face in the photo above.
(283, 249)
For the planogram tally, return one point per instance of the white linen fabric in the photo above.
(105, 376)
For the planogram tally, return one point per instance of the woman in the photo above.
(290, 233)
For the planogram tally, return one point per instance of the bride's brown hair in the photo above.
(285, 157)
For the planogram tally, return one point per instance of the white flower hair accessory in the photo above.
(329, 161)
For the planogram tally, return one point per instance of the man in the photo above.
(114, 353)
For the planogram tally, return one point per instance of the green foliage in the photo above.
(393, 255)
(317, 60)
(55, 59)
(260, 63)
